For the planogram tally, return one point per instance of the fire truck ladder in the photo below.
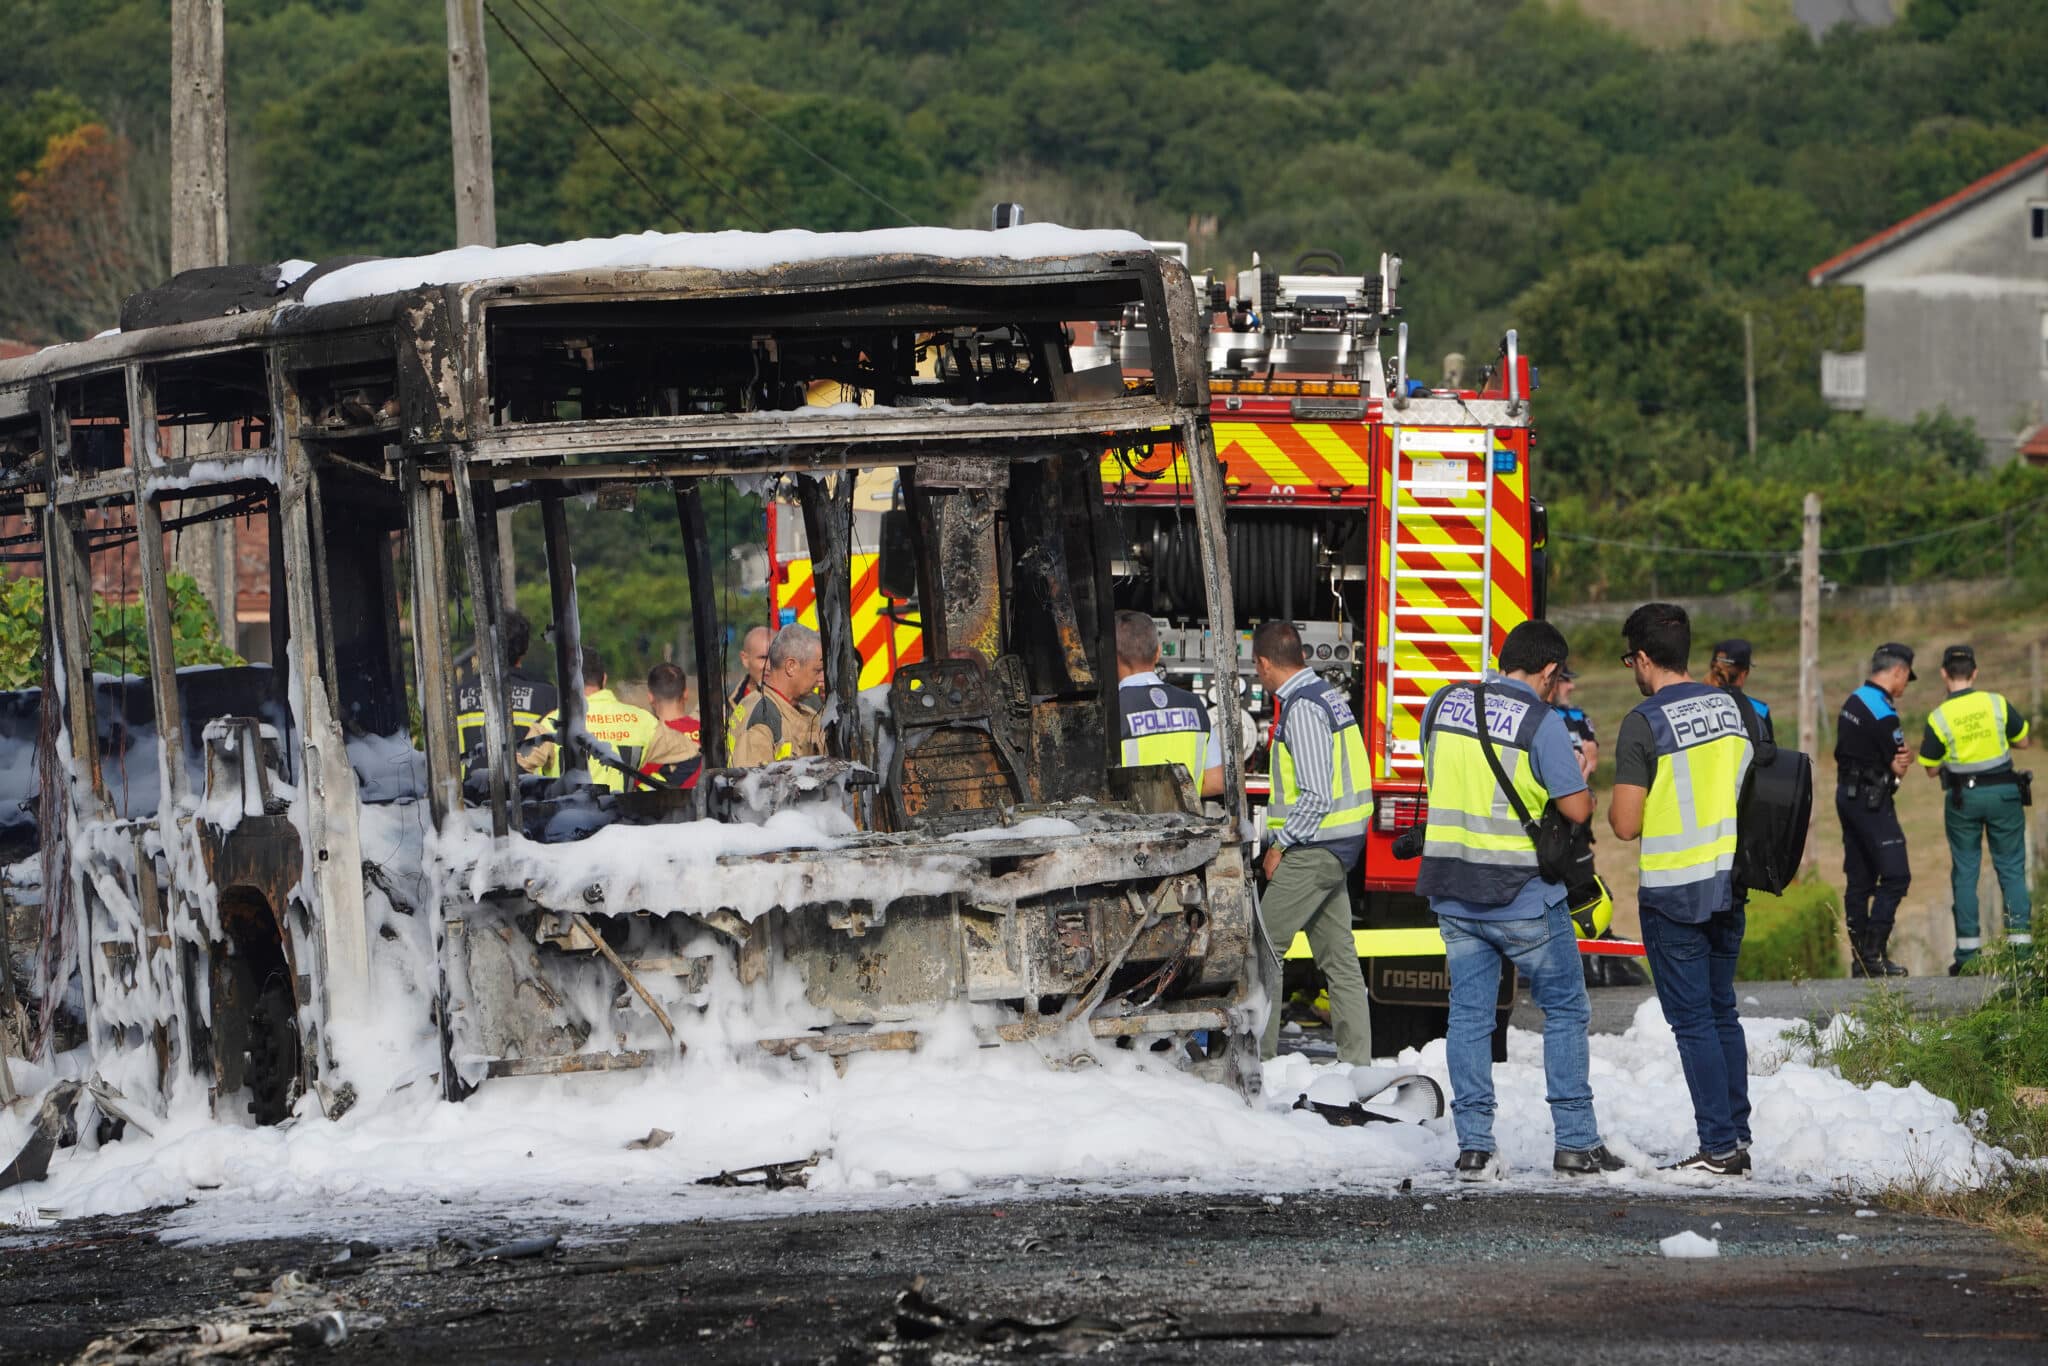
(1422, 503)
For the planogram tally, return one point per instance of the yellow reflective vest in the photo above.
(1350, 769)
(1689, 816)
(1162, 724)
(1971, 726)
(628, 729)
(1474, 848)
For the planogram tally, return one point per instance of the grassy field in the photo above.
(2002, 633)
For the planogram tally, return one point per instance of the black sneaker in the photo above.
(1474, 1166)
(1734, 1162)
(1589, 1162)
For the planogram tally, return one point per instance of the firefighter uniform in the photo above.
(1161, 724)
(771, 727)
(527, 700)
(1969, 740)
(736, 709)
(1322, 799)
(633, 733)
(1875, 869)
(1689, 748)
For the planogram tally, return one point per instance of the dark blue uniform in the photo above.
(1868, 734)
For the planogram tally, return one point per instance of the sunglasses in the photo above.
(1628, 661)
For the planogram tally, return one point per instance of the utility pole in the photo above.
(476, 194)
(1749, 376)
(1809, 639)
(199, 237)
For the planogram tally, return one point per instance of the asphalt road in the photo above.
(1427, 1275)
(1614, 1008)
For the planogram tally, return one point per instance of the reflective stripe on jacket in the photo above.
(1474, 847)
(1350, 769)
(1162, 724)
(1689, 816)
(1971, 726)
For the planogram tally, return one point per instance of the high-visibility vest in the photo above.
(1474, 848)
(626, 728)
(1350, 769)
(527, 699)
(1689, 817)
(1971, 727)
(1162, 724)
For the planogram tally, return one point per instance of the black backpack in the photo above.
(1774, 810)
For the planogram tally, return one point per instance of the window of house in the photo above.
(2037, 225)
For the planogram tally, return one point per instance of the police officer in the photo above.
(1968, 745)
(1679, 761)
(1870, 758)
(1578, 725)
(1493, 903)
(528, 697)
(1322, 799)
(1159, 723)
(1730, 669)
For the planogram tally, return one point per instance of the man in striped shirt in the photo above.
(1315, 830)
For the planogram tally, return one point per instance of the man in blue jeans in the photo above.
(1679, 761)
(1481, 875)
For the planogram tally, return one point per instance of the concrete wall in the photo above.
(1953, 318)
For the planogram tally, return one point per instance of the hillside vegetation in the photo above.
(1625, 203)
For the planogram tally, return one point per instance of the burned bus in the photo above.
(285, 882)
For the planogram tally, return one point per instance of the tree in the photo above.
(90, 230)
(119, 642)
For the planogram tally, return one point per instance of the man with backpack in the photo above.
(1679, 763)
(1496, 756)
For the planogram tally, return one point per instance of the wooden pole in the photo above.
(199, 237)
(1809, 638)
(1749, 376)
(476, 194)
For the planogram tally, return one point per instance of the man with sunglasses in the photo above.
(1679, 761)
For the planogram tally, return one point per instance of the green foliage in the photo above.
(1794, 937)
(1959, 522)
(1975, 1060)
(120, 644)
(25, 130)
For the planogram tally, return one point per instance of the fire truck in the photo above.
(1390, 519)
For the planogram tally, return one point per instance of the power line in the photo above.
(1715, 552)
(632, 112)
(581, 118)
(620, 22)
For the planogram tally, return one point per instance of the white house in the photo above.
(1955, 312)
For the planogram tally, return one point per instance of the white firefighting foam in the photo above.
(953, 1120)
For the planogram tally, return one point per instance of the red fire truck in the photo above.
(1390, 520)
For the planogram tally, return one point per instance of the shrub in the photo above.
(1792, 937)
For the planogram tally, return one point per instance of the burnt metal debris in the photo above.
(236, 870)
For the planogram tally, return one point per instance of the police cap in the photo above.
(1893, 650)
(1734, 653)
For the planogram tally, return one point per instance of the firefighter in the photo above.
(1493, 904)
(1870, 759)
(626, 736)
(528, 697)
(1679, 761)
(1730, 669)
(1159, 723)
(1578, 725)
(1968, 745)
(773, 723)
(668, 696)
(753, 659)
(1322, 799)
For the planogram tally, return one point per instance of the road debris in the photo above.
(772, 1176)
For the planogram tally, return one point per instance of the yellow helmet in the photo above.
(1593, 912)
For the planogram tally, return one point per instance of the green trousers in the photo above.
(1310, 894)
(1994, 813)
